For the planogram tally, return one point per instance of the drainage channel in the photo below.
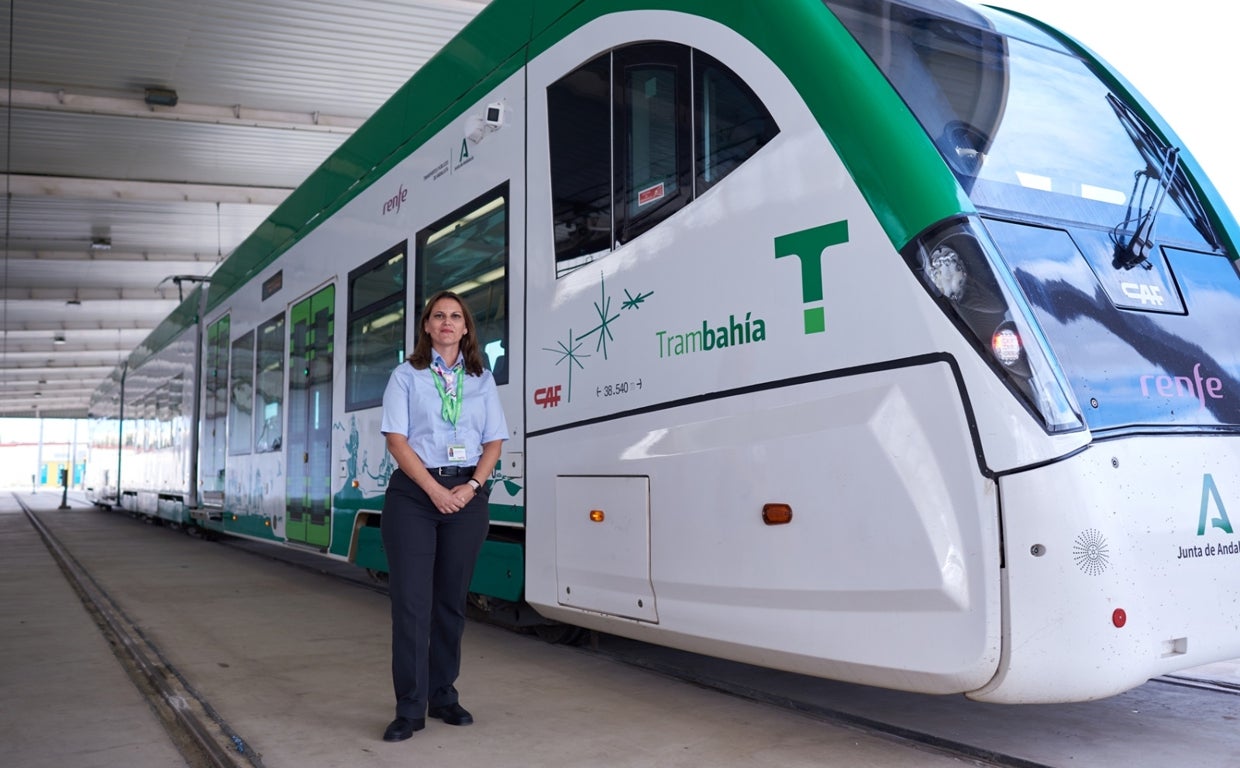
(203, 738)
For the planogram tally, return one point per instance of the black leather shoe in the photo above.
(403, 727)
(452, 714)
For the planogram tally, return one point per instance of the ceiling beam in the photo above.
(100, 255)
(26, 185)
(24, 331)
(165, 292)
(136, 106)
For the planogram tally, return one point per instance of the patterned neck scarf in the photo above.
(449, 384)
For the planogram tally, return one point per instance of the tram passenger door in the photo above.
(310, 419)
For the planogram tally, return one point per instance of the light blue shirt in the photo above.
(412, 407)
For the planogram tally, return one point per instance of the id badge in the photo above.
(456, 453)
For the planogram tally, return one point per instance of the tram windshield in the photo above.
(1086, 204)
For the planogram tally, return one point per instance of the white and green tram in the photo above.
(889, 341)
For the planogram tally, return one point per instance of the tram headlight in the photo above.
(963, 272)
(945, 269)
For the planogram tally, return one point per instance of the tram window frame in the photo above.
(269, 371)
(241, 406)
(576, 133)
(481, 281)
(377, 292)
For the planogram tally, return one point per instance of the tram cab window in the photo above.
(652, 138)
(732, 124)
(635, 135)
(579, 131)
(376, 340)
(466, 252)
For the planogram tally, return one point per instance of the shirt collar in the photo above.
(437, 359)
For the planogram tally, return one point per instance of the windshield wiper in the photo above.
(1133, 248)
(1162, 167)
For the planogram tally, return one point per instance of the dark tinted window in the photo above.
(579, 107)
(653, 135)
(731, 123)
(376, 341)
(467, 253)
(623, 143)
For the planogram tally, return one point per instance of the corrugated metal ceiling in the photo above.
(107, 196)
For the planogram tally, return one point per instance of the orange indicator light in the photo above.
(597, 515)
(776, 514)
(355, 483)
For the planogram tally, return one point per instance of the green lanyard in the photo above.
(451, 400)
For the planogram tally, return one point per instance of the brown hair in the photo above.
(421, 357)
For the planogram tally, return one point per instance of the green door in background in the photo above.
(308, 449)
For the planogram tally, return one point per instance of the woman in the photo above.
(444, 427)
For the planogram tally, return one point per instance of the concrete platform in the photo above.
(296, 665)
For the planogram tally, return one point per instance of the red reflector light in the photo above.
(1119, 618)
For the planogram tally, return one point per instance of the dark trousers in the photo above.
(431, 560)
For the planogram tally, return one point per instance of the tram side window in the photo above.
(241, 395)
(376, 341)
(579, 108)
(269, 386)
(215, 412)
(621, 147)
(732, 124)
(467, 253)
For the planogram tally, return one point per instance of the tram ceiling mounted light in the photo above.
(101, 244)
(58, 339)
(160, 97)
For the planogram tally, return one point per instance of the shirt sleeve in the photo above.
(496, 426)
(396, 402)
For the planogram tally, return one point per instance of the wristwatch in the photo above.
(477, 485)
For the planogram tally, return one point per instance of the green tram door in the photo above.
(309, 443)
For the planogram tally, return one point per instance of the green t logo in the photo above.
(809, 245)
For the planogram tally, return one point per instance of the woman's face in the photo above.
(446, 323)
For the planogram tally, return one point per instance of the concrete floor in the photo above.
(297, 666)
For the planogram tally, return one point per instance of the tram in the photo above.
(887, 341)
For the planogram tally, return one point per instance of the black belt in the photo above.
(452, 471)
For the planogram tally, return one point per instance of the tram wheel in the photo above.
(561, 634)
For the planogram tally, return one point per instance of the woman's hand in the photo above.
(458, 497)
(454, 500)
